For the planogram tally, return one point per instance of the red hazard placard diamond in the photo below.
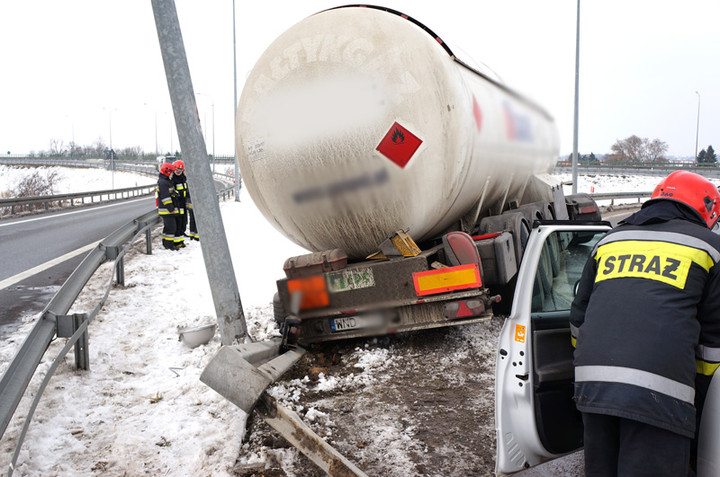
(399, 145)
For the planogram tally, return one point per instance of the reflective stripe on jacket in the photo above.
(645, 319)
(165, 194)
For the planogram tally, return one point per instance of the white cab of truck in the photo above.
(535, 416)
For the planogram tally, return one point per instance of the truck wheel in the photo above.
(278, 310)
(531, 212)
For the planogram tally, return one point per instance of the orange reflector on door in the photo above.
(447, 279)
(313, 289)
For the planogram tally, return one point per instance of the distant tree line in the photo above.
(58, 148)
(636, 151)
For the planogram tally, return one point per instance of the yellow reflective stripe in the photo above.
(662, 261)
(705, 368)
(167, 201)
(573, 341)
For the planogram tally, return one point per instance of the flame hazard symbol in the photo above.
(399, 145)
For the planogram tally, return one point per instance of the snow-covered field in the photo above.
(141, 409)
(69, 180)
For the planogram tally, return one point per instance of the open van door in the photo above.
(535, 415)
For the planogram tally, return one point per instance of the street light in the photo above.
(213, 126)
(697, 126)
(237, 168)
(112, 151)
(577, 89)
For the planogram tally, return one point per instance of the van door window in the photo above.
(561, 264)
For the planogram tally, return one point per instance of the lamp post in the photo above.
(577, 89)
(212, 105)
(112, 151)
(697, 126)
(237, 168)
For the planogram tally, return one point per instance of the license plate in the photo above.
(354, 322)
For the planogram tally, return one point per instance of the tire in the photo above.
(278, 310)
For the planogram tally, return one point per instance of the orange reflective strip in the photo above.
(447, 279)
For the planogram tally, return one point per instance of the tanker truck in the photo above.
(414, 179)
(421, 188)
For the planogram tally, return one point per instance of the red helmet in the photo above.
(167, 169)
(693, 190)
(179, 165)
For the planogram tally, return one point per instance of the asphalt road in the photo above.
(41, 242)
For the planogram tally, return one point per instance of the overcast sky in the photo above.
(83, 69)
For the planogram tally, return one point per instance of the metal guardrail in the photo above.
(143, 168)
(651, 170)
(16, 378)
(70, 199)
(613, 196)
(54, 320)
(108, 195)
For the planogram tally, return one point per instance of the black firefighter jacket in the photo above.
(165, 195)
(183, 192)
(646, 318)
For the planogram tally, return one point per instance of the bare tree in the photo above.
(656, 150)
(57, 147)
(634, 150)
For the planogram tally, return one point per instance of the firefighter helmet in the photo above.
(693, 190)
(167, 169)
(179, 165)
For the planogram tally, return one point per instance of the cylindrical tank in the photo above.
(358, 121)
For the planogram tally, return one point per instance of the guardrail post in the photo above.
(67, 325)
(148, 241)
(120, 266)
(82, 353)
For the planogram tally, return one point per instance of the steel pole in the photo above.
(577, 90)
(216, 253)
(237, 167)
(697, 127)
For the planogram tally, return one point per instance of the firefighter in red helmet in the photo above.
(187, 213)
(646, 331)
(165, 200)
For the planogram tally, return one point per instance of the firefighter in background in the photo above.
(180, 182)
(165, 197)
(646, 326)
(187, 212)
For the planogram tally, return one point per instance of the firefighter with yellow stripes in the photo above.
(646, 326)
(186, 211)
(165, 199)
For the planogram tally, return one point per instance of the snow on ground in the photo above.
(71, 180)
(141, 409)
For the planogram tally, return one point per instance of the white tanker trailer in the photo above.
(360, 135)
